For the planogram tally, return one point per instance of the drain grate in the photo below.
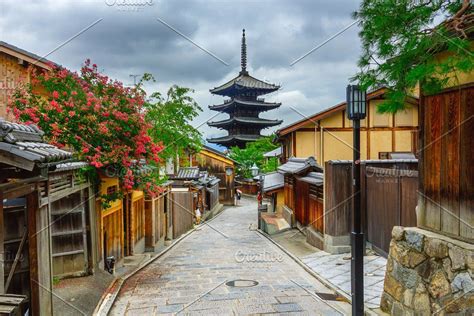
(242, 283)
(331, 297)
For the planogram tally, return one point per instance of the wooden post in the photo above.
(2, 255)
(32, 208)
(84, 231)
(93, 229)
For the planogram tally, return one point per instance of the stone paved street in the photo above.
(191, 278)
(336, 269)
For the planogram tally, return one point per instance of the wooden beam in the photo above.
(16, 161)
(31, 208)
(19, 191)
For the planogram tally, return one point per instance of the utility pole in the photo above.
(134, 79)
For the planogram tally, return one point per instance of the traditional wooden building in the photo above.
(157, 218)
(222, 167)
(296, 209)
(14, 63)
(309, 200)
(243, 107)
(445, 210)
(273, 189)
(111, 222)
(327, 135)
(69, 200)
(25, 234)
(184, 199)
(134, 209)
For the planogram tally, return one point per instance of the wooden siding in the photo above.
(390, 201)
(112, 226)
(69, 235)
(338, 199)
(316, 209)
(301, 204)
(446, 192)
(213, 196)
(182, 212)
(392, 194)
(112, 233)
(289, 192)
(24, 231)
(155, 219)
(216, 165)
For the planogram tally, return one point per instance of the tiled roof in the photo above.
(251, 104)
(298, 165)
(230, 138)
(26, 142)
(246, 120)
(244, 82)
(187, 173)
(206, 179)
(70, 166)
(315, 178)
(272, 181)
(273, 153)
(26, 53)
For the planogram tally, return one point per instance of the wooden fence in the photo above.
(182, 206)
(390, 201)
(338, 198)
(446, 191)
(388, 196)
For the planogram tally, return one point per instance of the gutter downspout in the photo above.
(321, 130)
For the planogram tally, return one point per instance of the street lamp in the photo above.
(254, 170)
(356, 111)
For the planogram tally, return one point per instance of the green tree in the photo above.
(170, 118)
(253, 154)
(400, 40)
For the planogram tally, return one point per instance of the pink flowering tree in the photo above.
(98, 118)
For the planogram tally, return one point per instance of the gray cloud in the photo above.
(125, 43)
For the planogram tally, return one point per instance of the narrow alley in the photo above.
(225, 268)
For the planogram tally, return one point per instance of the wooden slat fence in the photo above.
(388, 197)
(447, 171)
(182, 212)
(390, 201)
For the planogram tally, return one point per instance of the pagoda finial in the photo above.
(243, 57)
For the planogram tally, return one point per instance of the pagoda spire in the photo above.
(244, 124)
(243, 57)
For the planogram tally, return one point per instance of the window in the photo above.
(112, 189)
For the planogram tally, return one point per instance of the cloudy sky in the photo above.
(129, 39)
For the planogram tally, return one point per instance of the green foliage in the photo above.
(400, 43)
(253, 153)
(170, 120)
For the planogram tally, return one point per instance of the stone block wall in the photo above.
(428, 273)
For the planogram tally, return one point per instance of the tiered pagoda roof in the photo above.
(243, 107)
(230, 105)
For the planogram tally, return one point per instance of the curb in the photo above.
(110, 294)
(367, 310)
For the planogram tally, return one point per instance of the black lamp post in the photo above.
(356, 111)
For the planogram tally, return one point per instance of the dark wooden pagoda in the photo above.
(244, 124)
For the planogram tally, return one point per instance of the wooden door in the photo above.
(15, 223)
(69, 235)
(302, 202)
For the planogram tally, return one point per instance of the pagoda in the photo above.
(243, 107)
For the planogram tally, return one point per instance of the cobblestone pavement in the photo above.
(191, 279)
(336, 269)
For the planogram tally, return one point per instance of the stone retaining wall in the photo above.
(428, 273)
